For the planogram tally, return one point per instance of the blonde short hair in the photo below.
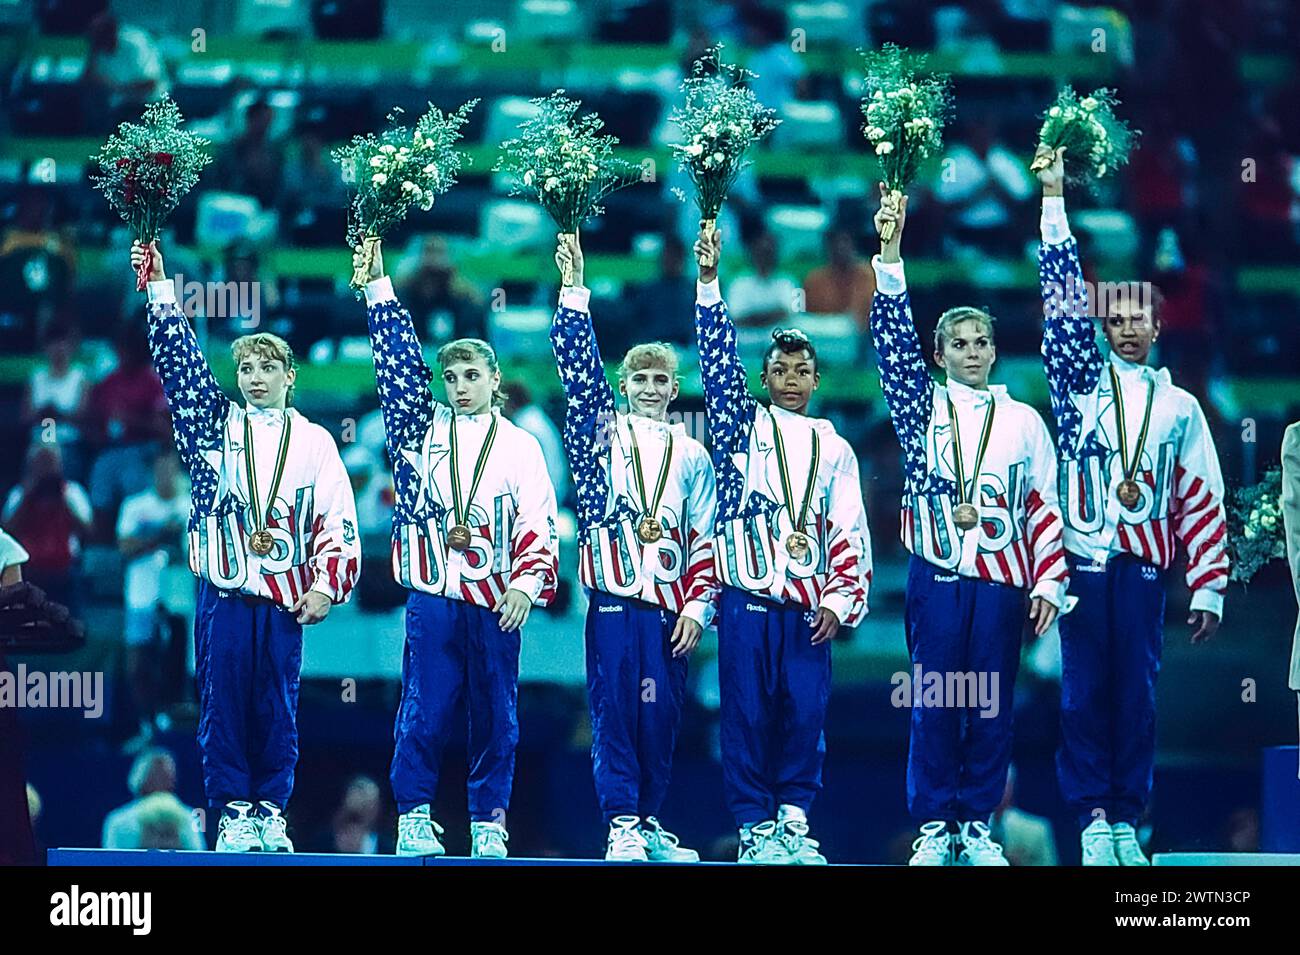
(649, 355)
(471, 349)
(265, 345)
(955, 316)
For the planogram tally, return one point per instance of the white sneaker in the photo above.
(934, 846)
(240, 832)
(417, 834)
(662, 846)
(759, 845)
(274, 832)
(978, 847)
(1098, 842)
(625, 842)
(488, 840)
(793, 834)
(1127, 850)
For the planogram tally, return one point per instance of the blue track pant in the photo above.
(1110, 656)
(636, 690)
(775, 686)
(963, 631)
(454, 648)
(247, 658)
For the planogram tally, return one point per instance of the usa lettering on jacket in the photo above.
(312, 521)
(511, 518)
(753, 520)
(676, 572)
(1178, 474)
(1018, 538)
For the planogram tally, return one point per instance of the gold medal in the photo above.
(1128, 492)
(260, 541)
(796, 545)
(458, 537)
(966, 516)
(649, 530)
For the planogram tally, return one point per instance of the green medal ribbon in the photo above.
(1121, 427)
(254, 499)
(784, 469)
(461, 506)
(651, 508)
(958, 464)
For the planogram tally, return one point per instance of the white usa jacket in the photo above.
(313, 519)
(1179, 478)
(675, 572)
(1018, 538)
(752, 517)
(512, 517)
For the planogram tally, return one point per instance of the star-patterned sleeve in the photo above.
(904, 379)
(589, 402)
(1071, 358)
(534, 544)
(728, 404)
(335, 559)
(401, 374)
(198, 405)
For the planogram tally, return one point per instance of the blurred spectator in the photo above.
(845, 284)
(1270, 198)
(1026, 839)
(253, 164)
(154, 818)
(53, 401)
(37, 269)
(158, 585)
(241, 264)
(982, 185)
(521, 409)
(777, 66)
(125, 416)
(354, 827)
(442, 305)
(659, 304)
(1163, 173)
(761, 297)
(311, 178)
(19, 804)
(124, 67)
(372, 487)
(50, 516)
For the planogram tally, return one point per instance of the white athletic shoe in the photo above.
(793, 834)
(240, 832)
(1127, 850)
(760, 845)
(978, 847)
(1098, 842)
(626, 842)
(417, 834)
(662, 846)
(488, 840)
(934, 846)
(275, 836)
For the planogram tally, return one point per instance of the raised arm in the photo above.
(589, 400)
(729, 405)
(198, 405)
(904, 378)
(401, 374)
(1071, 358)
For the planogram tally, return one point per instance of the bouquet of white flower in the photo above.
(145, 170)
(905, 115)
(564, 162)
(396, 170)
(1256, 532)
(1096, 141)
(720, 120)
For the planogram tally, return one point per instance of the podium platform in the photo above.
(178, 857)
(1225, 859)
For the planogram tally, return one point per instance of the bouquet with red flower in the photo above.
(146, 169)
